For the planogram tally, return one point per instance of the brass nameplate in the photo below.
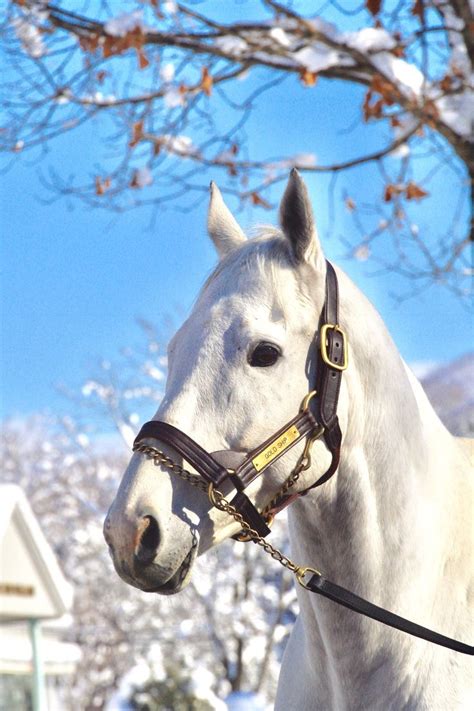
(275, 448)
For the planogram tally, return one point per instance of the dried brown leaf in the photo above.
(391, 191)
(446, 82)
(89, 43)
(308, 78)
(373, 6)
(384, 88)
(431, 111)
(258, 200)
(101, 186)
(398, 51)
(143, 61)
(414, 192)
(418, 10)
(206, 81)
(137, 133)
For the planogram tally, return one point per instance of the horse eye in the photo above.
(264, 354)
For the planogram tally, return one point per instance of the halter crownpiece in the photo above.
(317, 418)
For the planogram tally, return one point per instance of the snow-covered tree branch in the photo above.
(165, 76)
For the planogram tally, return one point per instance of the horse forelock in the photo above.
(266, 257)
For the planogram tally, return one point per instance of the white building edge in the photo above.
(35, 602)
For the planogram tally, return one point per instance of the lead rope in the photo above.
(218, 500)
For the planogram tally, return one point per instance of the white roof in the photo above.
(31, 581)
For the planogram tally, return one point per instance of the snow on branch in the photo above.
(176, 73)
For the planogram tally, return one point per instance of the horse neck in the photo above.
(375, 526)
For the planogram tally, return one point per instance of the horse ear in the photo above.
(297, 221)
(221, 224)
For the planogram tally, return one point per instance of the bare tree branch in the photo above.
(160, 81)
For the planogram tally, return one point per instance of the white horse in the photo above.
(393, 525)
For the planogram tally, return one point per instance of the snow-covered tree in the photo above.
(175, 83)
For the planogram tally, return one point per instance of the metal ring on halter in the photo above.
(307, 399)
(212, 497)
(246, 537)
(305, 461)
(211, 492)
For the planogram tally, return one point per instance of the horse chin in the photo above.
(179, 579)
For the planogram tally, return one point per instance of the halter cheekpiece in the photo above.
(316, 419)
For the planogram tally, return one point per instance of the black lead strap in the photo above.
(321, 586)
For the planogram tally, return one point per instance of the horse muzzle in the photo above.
(135, 546)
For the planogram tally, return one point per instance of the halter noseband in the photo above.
(317, 417)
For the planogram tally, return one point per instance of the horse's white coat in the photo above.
(395, 523)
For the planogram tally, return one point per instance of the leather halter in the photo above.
(319, 418)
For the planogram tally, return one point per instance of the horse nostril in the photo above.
(148, 542)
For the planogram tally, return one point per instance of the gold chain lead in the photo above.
(218, 500)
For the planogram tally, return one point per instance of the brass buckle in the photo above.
(324, 349)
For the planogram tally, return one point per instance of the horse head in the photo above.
(238, 370)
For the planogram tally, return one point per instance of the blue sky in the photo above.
(74, 279)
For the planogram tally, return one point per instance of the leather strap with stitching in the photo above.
(304, 423)
(328, 379)
(213, 472)
(209, 468)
